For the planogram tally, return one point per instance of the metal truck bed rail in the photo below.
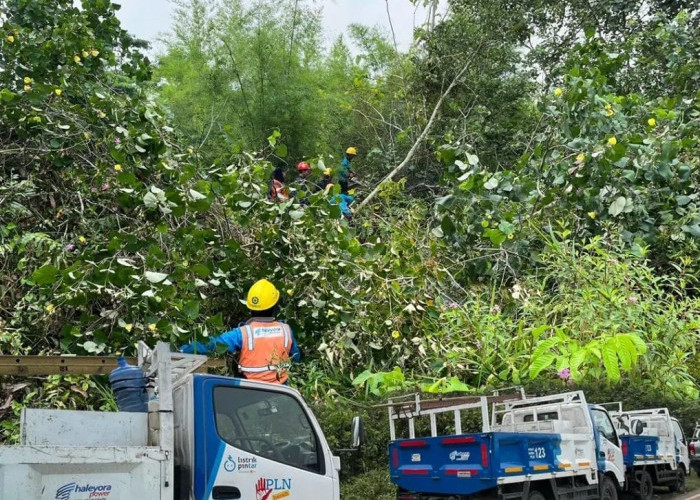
(411, 407)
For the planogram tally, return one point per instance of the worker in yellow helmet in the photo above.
(327, 182)
(346, 172)
(266, 345)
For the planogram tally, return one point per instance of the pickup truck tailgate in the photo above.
(639, 449)
(469, 463)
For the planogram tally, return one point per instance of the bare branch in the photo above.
(420, 139)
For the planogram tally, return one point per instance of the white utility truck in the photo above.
(204, 437)
(661, 462)
(694, 450)
(552, 447)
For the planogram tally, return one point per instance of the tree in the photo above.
(254, 69)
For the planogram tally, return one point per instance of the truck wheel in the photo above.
(608, 491)
(644, 490)
(679, 485)
(535, 495)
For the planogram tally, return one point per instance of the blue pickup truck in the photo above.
(553, 447)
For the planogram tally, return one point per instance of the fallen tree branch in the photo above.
(420, 139)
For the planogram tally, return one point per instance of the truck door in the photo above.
(682, 456)
(608, 446)
(258, 443)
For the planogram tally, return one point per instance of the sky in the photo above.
(148, 19)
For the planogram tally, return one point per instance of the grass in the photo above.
(692, 484)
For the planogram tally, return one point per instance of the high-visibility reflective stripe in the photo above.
(249, 329)
(266, 368)
(287, 334)
(257, 369)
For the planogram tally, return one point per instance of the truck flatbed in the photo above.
(470, 463)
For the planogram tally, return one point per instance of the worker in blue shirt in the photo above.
(267, 346)
(343, 201)
(346, 172)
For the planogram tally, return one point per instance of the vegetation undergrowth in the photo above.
(543, 232)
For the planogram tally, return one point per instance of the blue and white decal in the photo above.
(84, 491)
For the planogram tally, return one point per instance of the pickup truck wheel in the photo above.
(644, 489)
(608, 491)
(679, 485)
(536, 495)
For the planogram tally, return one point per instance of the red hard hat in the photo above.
(303, 166)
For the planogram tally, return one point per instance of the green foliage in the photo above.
(234, 72)
(62, 392)
(382, 382)
(540, 235)
(375, 483)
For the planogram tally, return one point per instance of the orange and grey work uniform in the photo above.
(267, 347)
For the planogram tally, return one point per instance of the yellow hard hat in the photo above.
(351, 151)
(327, 171)
(262, 296)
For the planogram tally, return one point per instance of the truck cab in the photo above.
(241, 439)
(204, 437)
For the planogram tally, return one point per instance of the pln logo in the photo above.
(75, 491)
(272, 489)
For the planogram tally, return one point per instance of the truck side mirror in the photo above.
(637, 427)
(357, 429)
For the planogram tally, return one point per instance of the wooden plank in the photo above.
(73, 365)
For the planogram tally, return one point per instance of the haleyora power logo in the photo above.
(75, 491)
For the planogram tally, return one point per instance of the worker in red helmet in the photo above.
(302, 186)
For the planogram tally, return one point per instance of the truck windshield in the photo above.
(269, 424)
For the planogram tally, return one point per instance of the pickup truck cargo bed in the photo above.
(470, 463)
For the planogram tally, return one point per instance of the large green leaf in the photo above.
(610, 360)
(617, 206)
(541, 362)
(45, 275)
